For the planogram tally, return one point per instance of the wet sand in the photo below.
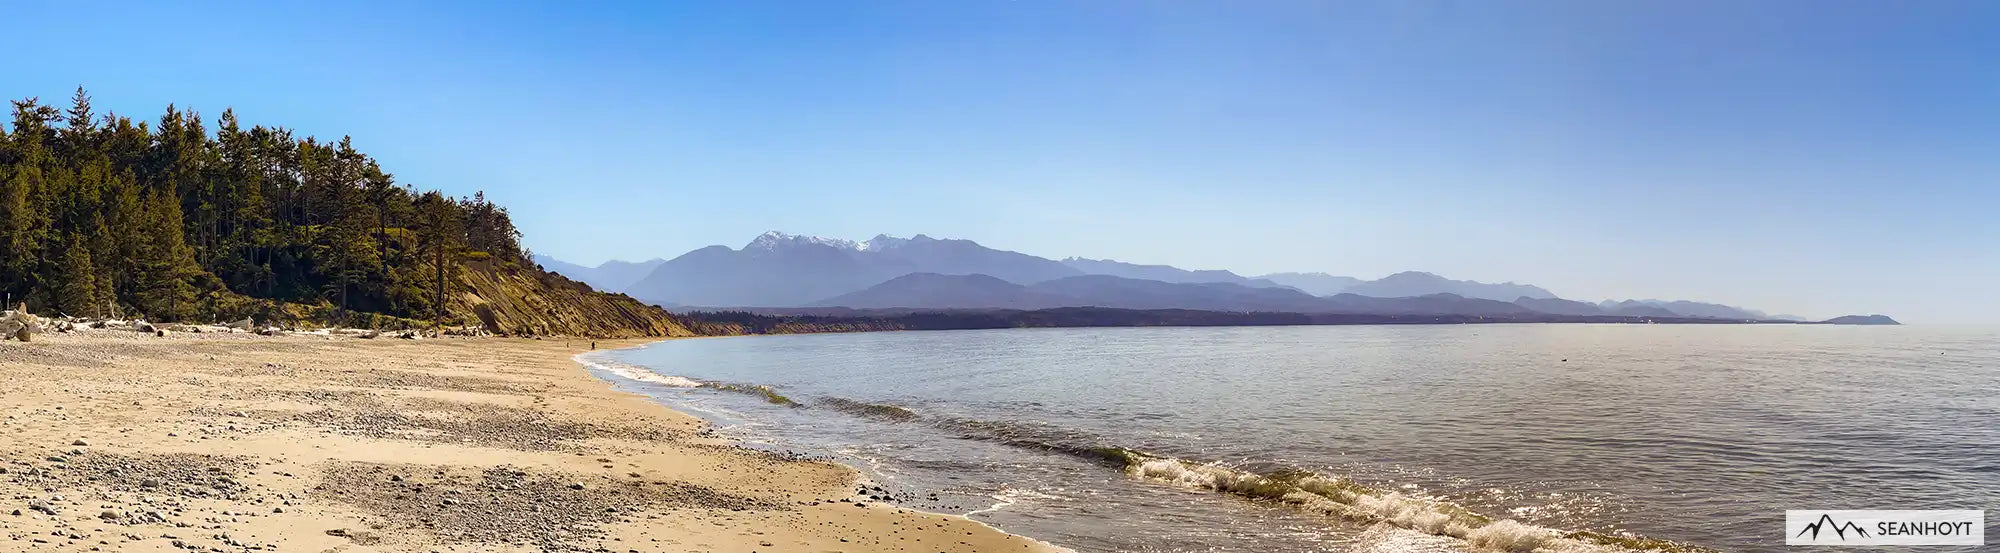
(119, 441)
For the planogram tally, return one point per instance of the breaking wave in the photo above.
(641, 374)
(635, 373)
(770, 395)
(1316, 493)
(1349, 500)
(870, 410)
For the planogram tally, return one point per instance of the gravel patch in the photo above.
(469, 423)
(505, 505)
(183, 474)
(387, 378)
(37, 354)
(120, 494)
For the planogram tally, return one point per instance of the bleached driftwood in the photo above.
(19, 324)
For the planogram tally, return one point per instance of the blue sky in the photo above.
(1819, 157)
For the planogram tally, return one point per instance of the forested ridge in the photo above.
(170, 219)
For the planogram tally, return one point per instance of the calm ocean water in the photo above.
(1371, 438)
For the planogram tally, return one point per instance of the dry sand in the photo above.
(117, 441)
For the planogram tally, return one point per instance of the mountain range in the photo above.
(1162, 273)
(1418, 283)
(936, 291)
(611, 276)
(1318, 284)
(778, 270)
(785, 270)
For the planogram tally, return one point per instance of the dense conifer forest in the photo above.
(179, 218)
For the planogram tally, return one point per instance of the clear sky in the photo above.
(1812, 157)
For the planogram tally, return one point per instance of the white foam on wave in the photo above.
(1010, 495)
(1387, 538)
(636, 373)
(1348, 500)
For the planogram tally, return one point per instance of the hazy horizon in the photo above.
(1794, 157)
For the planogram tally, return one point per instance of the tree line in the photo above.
(170, 220)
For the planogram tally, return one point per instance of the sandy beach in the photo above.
(120, 441)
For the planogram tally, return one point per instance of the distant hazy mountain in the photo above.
(612, 276)
(961, 257)
(1318, 284)
(1432, 304)
(1130, 293)
(930, 291)
(1634, 308)
(935, 291)
(619, 275)
(1162, 273)
(785, 270)
(1555, 306)
(1710, 310)
(1682, 309)
(717, 276)
(1703, 310)
(1417, 283)
(573, 271)
(1641, 308)
(1861, 320)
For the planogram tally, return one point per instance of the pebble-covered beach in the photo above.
(116, 440)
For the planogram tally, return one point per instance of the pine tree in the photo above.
(163, 284)
(79, 134)
(24, 199)
(17, 253)
(75, 281)
(122, 238)
(440, 231)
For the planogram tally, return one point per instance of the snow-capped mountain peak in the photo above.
(883, 242)
(773, 240)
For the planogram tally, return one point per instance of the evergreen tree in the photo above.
(439, 231)
(163, 287)
(79, 134)
(24, 199)
(75, 282)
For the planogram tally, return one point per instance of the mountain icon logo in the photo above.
(1839, 529)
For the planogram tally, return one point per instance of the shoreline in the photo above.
(860, 479)
(117, 441)
(1386, 512)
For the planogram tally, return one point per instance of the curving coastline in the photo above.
(236, 442)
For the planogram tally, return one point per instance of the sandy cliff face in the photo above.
(526, 301)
